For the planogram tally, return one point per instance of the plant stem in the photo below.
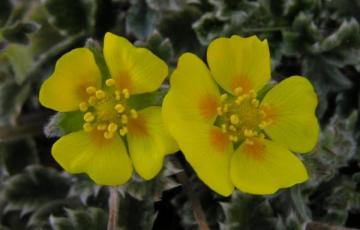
(195, 203)
(113, 209)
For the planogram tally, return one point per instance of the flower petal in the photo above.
(239, 62)
(193, 95)
(208, 150)
(136, 69)
(106, 161)
(292, 103)
(66, 87)
(149, 142)
(264, 167)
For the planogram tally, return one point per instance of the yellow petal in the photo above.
(193, 95)
(105, 161)
(292, 103)
(239, 62)
(136, 69)
(149, 142)
(65, 89)
(264, 167)
(208, 151)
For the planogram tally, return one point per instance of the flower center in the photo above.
(242, 117)
(106, 110)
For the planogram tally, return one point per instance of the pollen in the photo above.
(107, 111)
(83, 106)
(110, 82)
(242, 117)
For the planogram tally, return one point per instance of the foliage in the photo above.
(314, 38)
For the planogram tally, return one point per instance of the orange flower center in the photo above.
(242, 117)
(107, 110)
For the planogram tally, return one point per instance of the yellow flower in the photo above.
(234, 138)
(99, 149)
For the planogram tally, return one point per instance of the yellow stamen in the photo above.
(133, 113)
(232, 128)
(234, 119)
(112, 127)
(226, 108)
(92, 100)
(87, 127)
(100, 94)
(89, 117)
(126, 93)
(101, 126)
(223, 97)
(91, 90)
(110, 82)
(238, 91)
(255, 102)
(124, 119)
(119, 108)
(224, 128)
(108, 135)
(240, 99)
(248, 141)
(83, 106)
(117, 95)
(249, 133)
(219, 110)
(123, 131)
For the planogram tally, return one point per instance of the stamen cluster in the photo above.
(107, 110)
(241, 116)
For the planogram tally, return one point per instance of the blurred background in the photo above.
(319, 39)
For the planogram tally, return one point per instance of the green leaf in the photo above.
(64, 123)
(12, 98)
(248, 212)
(18, 33)
(33, 188)
(21, 61)
(18, 154)
(71, 16)
(136, 214)
(141, 19)
(5, 11)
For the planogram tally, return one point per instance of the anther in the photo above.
(238, 91)
(224, 128)
(124, 119)
(100, 94)
(91, 90)
(92, 100)
(119, 108)
(126, 93)
(101, 126)
(87, 127)
(89, 117)
(255, 102)
(223, 97)
(117, 95)
(133, 113)
(249, 133)
(248, 141)
(110, 82)
(108, 135)
(219, 110)
(123, 131)
(239, 99)
(83, 106)
(226, 108)
(234, 119)
(112, 127)
(232, 128)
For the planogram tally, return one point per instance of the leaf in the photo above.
(136, 214)
(21, 61)
(71, 16)
(248, 212)
(12, 98)
(18, 154)
(33, 188)
(64, 123)
(5, 11)
(18, 33)
(141, 19)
